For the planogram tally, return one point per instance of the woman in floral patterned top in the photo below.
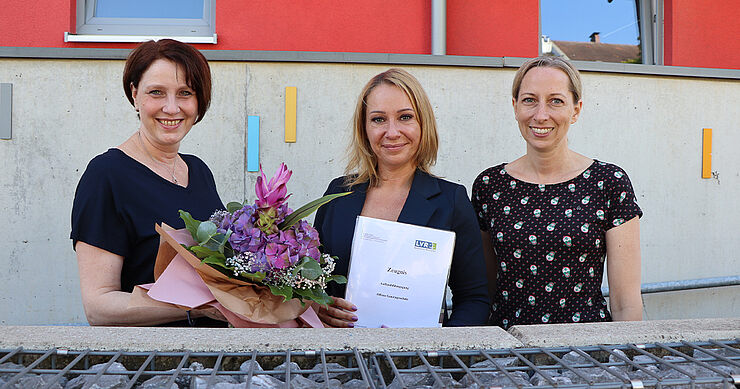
(550, 218)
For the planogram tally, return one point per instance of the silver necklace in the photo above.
(174, 163)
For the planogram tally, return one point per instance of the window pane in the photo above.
(174, 9)
(591, 30)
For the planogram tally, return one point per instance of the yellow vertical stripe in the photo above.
(291, 93)
(706, 154)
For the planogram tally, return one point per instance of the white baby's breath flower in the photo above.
(241, 263)
(219, 216)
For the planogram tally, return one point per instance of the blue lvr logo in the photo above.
(423, 244)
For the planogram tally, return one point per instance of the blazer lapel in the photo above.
(355, 201)
(418, 208)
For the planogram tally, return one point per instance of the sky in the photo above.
(575, 20)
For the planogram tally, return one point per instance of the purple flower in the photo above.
(288, 238)
(245, 235)
(222, 220)
(279, 256)
(249, 240)
(259, 263)
(308, 238)
(272, 194)
(242, 220)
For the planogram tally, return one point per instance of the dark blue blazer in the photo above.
(432, 202)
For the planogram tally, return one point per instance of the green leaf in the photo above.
(206, 230)
(315, 294)
(209, 237)
(222, 246)
(217, 242)
(234, 206)
(190, 223)
(228, 251)
(310, 269)
(216, 260)
(256, 277)
(307, 210)
(203, 252)
(219, 265)
(285, 291)
(337, 278)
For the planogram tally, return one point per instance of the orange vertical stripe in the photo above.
(291, 93)
(706, 154)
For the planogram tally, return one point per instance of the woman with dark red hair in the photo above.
(144, 181)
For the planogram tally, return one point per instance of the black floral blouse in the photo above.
(550, 242)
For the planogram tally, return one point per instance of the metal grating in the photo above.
(710, 364)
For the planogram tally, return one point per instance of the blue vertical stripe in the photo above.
(253, 143)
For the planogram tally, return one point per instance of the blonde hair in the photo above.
(362, 165)
(550, 62)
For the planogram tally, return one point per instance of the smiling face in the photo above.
(392, 128)
(545, 108)
(167, 106)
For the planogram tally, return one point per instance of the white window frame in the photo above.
(102, 29)
(651, 31)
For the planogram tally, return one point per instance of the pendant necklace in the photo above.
(174, 163)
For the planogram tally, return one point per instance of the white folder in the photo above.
(398, 273)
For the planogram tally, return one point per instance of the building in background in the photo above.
(591, 51)
(61, 103)
(688, 33)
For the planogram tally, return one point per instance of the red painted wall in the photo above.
(697, 33)
(40, 24)
(475, 27)
(702, 33)
(383, 26)
(378, 26)
(500, 28)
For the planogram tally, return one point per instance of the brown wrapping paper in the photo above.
(253, 301)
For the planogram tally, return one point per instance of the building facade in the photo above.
(61, 104)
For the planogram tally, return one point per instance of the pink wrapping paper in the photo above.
(183, 281)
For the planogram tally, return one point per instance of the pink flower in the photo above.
(272, 194)
(279, 256)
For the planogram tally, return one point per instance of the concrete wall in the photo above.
(67, 111)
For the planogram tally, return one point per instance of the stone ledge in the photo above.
(638, 332)
(134, 339)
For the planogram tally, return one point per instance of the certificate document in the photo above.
(398, 273)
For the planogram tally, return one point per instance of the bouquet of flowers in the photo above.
(267, 242)
(259, 264)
